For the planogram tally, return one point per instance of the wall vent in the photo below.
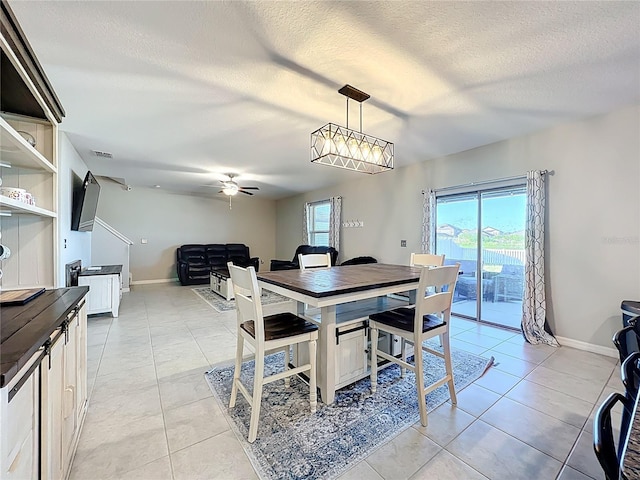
(98, 153)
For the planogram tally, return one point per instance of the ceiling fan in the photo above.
(230, 187)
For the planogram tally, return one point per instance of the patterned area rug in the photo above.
(293, 443)
(222, 305)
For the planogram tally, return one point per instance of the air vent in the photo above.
(98, 153)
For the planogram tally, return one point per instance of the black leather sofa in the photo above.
(196, 261)
(305, 250)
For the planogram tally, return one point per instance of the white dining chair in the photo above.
(417, 324)
(314, 260)
(426, 260)
(267, 334)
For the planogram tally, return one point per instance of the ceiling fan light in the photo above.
(230, 189)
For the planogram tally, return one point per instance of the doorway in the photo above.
(484, 231)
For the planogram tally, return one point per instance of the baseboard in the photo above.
(160, 280)
(589, 347)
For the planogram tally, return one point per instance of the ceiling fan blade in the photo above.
(249, 188)
(246, 193)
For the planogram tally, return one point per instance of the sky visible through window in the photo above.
(504, 213)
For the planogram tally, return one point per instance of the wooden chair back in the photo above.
(314, 260)
(443, 281)
(248, 302)
(426, 260)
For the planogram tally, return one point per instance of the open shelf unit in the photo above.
(17, 152)
(29, 109)
(14, 207)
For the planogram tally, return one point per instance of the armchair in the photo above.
(304, 250)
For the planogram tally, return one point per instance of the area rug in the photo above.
(222, 305)
(295, 444)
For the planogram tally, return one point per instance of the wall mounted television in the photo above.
(85, 203)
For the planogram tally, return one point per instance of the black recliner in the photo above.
(304, 250)
(196, 261)
(359, 261)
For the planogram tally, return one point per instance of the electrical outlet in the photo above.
(143, 241)
(403, 243)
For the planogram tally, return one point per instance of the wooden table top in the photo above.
(103, 270)
(320, 283)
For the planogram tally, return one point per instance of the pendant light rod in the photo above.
(358, 95)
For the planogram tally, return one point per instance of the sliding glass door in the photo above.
(484, 232)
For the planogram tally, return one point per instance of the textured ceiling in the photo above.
(183, 92)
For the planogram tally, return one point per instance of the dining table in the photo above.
(327, 288)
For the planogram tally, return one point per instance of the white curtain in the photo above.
(305, 224)
(335, 222)
(534, 306)
(428, 221)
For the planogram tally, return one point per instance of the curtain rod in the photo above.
(322, 201)
(484, 182)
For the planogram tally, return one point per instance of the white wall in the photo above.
(593, 221)
(110, 249)
(168, 220)
(72, 245)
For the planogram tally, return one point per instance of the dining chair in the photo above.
(623, 340)
(630, 373)
(266, 335)
(314, 260)
(608, 453)
(417, 324)
(426, 259)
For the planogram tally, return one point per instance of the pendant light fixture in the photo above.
(345, 148)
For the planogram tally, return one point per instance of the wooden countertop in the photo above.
(25, 328)
(320, 283)
(103, 270)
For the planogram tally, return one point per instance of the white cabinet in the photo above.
(19, 417)
(221, 284)
(64, 395)
(53, 387)
(351, 352)
(105, 289)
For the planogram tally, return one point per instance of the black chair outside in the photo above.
(604, 445)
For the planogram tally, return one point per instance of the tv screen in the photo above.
(85, 203)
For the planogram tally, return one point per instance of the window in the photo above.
(318, 216)
(484, 232)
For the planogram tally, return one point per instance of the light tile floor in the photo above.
(152, 416)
